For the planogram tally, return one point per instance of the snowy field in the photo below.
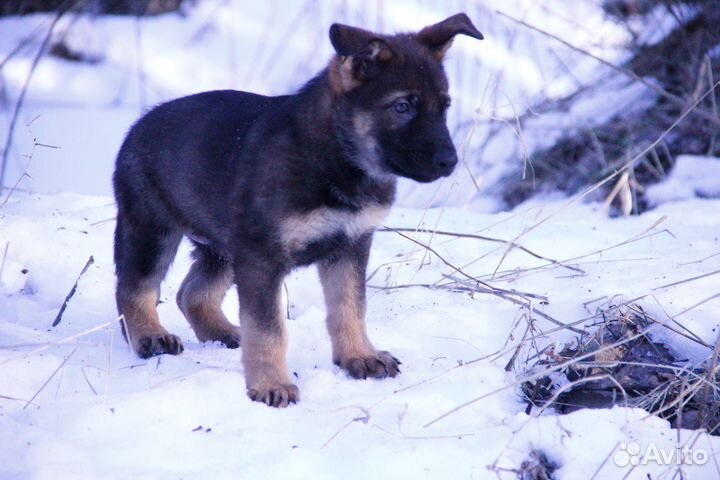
(76, 403)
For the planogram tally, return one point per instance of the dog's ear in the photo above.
(361, 54)
(439, 37)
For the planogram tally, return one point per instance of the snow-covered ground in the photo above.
(76, 403)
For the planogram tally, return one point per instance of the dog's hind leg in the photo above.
(144, 250)
(201, 294)
(343, 281)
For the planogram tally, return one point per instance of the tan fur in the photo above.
(369, 149)
(363, 124)
(264, 358)
(341, 76)
(440, 53)
(200, 300)
(345, 312)
(341, 68)
(140, 316)
(299, 230)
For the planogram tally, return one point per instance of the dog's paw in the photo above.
(231, 341)
(379, 365)
(150, 345)
(278, 396)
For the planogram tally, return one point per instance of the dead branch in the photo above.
(481, 237)
(58, 317)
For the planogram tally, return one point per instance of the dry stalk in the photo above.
(62, 10)
(466, 275)
(536, 376)
(690, 335)
(60, 342)
(87, 380)
(575, 198)
(691, 279)
(680, 102)
(58, 317)
(484, 238)
(27, 167)
(701, 260)
(648, 233)
(62, 364)
(2, 264)
(569, 386)
(702, 302)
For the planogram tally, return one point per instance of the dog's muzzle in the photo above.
(444, 161)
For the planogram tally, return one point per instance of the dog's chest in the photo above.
(300, 231)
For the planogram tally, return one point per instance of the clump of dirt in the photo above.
(537, 467)
(619, 364)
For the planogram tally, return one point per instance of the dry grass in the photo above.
(675, 70)
(620, 364)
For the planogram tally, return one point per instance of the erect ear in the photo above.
(439, 37)
(361, 55)
(347, 40)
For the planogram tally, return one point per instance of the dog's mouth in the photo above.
(422, 174)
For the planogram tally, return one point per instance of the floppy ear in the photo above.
(439, 37)
(361, 54)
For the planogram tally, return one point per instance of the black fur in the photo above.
(228, 168)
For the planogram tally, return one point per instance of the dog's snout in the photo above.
(445, 160)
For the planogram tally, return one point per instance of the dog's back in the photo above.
(187, 149)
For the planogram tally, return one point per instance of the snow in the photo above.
(107, 414)
(273, 48)
(75, 402)
(692, 176)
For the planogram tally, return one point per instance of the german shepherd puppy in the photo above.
(261, 185)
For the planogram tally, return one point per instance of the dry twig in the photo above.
(49, 378)
(58, 317)
(62, 10)
(680, 102)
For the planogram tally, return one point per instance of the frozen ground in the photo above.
(75, 403)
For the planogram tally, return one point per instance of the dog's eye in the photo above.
(401, 106)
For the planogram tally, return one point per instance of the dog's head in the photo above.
(393, 98)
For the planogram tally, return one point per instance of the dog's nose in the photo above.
(445, 160)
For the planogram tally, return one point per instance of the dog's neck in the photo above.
(314, 115)
(329, 150)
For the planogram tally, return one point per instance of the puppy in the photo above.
(261, 185)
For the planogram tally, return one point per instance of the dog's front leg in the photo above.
(343, 280)
(263, 335)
